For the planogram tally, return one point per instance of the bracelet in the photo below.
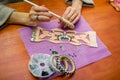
(54, 64)
(61, 68)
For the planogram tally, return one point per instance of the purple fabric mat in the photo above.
(82, 55)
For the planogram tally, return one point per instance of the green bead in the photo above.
(54, 52)
(44, 73)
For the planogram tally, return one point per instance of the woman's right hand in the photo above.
(36, 15)
(40, 14)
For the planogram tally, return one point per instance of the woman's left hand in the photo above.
(73, 13)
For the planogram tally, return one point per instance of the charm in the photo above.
(64, 36)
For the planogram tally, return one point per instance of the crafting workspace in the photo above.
(86, 50)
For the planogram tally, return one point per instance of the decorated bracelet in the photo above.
(54, 65)
(61, 68)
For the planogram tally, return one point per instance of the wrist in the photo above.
(77, 4)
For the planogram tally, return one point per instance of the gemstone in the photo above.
(42, 64)
(54, 52)
(45, 73)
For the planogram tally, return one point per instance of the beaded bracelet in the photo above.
(61, 68)
(54, 66)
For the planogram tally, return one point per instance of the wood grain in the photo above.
(102, 18)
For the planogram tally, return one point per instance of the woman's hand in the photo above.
(30, 18)
(73, 13)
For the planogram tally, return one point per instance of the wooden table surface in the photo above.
(102, 18)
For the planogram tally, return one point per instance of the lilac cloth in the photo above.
(82, 55)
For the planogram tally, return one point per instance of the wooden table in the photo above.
(102, 18)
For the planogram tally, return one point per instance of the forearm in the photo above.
(89, 3)
(10, 16)
(18, 18)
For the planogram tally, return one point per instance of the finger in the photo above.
(41, 18)
(44, 18)
(41, 13)
(76, 19)
(68, 16)
(31, 15)
(64, 16)
(45, 14)
(66, 11)
(39, 8)
(73, 16)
